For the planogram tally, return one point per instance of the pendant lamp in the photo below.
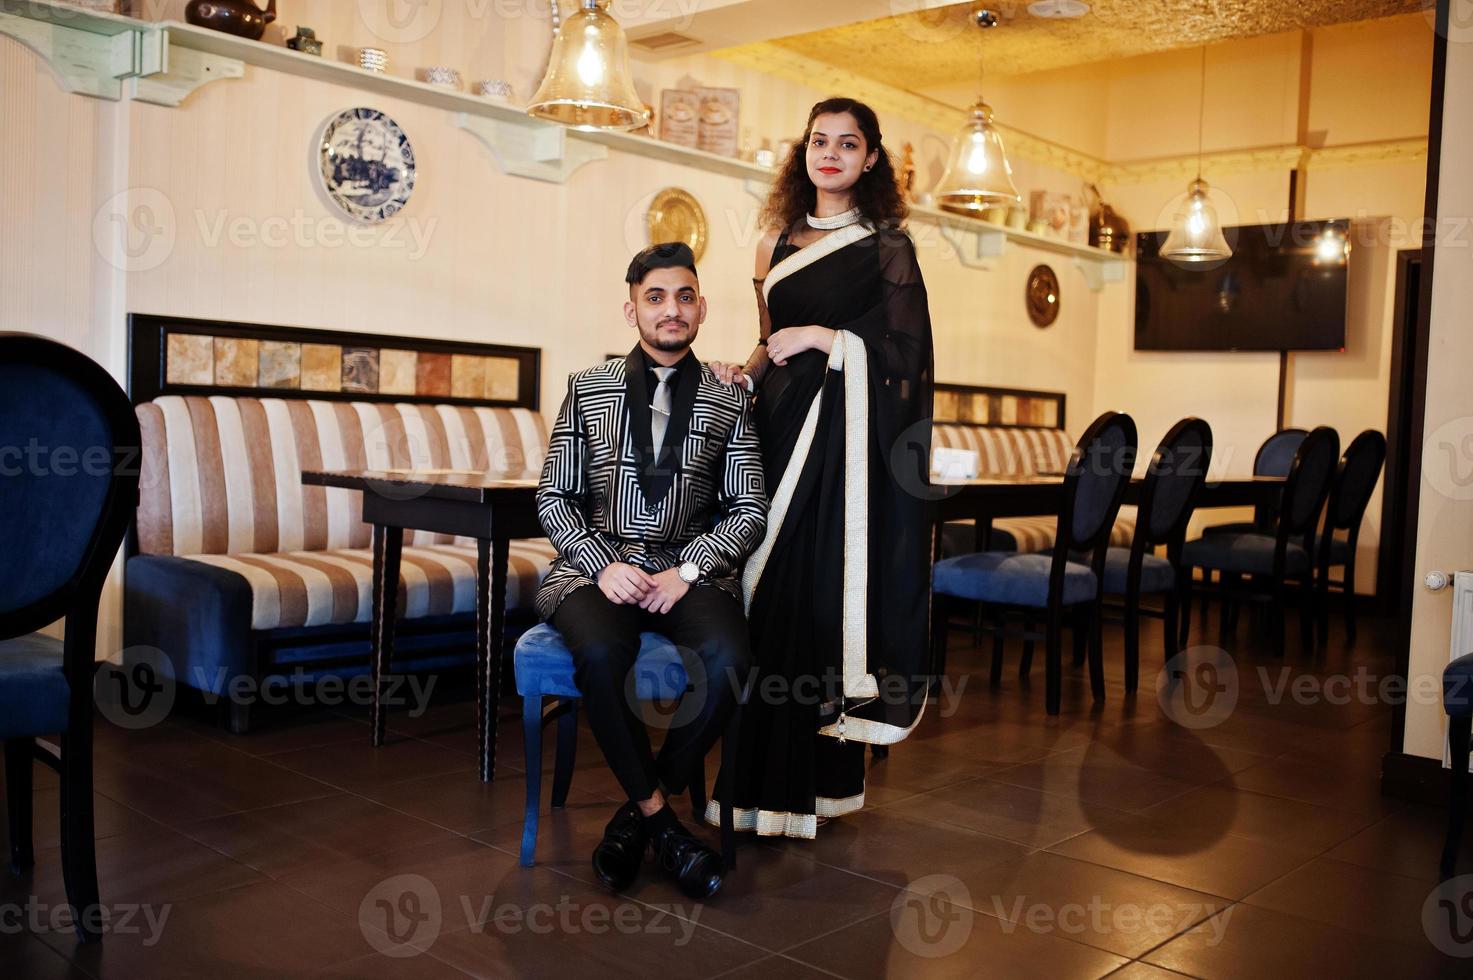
(978, 175)
(588, 85)
(1196, 234)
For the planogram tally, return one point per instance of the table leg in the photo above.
(388, 544)
(490, 646)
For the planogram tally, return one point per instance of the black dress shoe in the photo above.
(617, 857)
(695, 865)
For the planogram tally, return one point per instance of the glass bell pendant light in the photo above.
(1196, 234)
(978, 175)
(588, 85)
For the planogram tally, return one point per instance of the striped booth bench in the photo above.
(1015, 451)
(240, 569)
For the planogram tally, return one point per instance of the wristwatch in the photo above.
(689, 572)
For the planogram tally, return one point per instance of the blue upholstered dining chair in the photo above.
(69, 450)
(1350, 495)
(1457, 701)
(1168, 496)
(1274, 458)
(1005, 582)
(1275, 568)
(544, 676)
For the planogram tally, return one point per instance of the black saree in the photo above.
(838, 591)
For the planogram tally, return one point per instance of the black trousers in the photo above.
(708, 626)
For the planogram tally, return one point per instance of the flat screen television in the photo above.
(1283, 288)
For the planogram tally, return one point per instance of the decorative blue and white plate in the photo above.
(367, 164)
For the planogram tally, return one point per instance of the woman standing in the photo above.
(837, 593)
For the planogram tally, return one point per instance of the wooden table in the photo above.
(487, 507)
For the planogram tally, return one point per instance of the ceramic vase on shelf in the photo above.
(239, 17)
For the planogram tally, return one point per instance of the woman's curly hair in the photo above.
(876, 193)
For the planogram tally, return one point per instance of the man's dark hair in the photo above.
(665, 255)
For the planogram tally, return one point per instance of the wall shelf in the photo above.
(113, 57)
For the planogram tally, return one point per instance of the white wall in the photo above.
(1445, 505)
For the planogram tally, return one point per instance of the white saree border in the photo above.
(782, 498)
(809, 254)
(858, 682)
(875, 732)
(772, 823)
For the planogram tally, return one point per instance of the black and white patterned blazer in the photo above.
(604, 498)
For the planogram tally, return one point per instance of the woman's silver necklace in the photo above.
(834, 221)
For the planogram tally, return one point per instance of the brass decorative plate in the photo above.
(676, 216)
(1042, 296)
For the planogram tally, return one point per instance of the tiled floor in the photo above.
(998, 843)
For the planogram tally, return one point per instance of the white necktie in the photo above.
(660, 407)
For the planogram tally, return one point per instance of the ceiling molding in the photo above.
(947, 119)
(889, 100)
(1270, 159)
(1357, 154)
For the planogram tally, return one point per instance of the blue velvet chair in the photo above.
(1273, 569)
(1006, 582)
(544, 677)
(1168, 497)
(69, 451)
(1350, 494)
(1457, 701)
(1274, 458)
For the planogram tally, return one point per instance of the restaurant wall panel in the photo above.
(1445, 510)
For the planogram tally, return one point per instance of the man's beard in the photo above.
(654, 339)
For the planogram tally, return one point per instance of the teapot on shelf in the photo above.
(240, 17)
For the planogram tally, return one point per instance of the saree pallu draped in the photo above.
(838, 592)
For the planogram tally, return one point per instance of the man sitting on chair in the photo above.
(652, 493)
